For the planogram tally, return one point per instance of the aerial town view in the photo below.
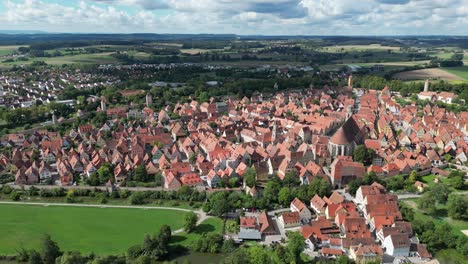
(249, 131)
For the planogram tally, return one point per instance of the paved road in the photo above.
(202, 216)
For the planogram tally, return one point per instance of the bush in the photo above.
(137, 198)
(7, 189)
(15, 195)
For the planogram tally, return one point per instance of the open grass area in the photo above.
(461, 72)
(211, 225)
(98, 230)
(450, 256)
(457, 226)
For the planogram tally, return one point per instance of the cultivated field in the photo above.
(433, 73)
(195, 51)
(98, 230)
(358, 48)
(461, 72)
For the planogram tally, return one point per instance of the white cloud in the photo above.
(268, 17)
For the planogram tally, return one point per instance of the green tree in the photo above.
(73, 257)
(34, 257)
(141, 175)
(250, 177)
(219, 204)
(190, 222)
(50, 250)
(165, 234)
(291, 179)
(428, 203)
(457, 207)
(137, 198)
(295, 246)
(413, 177)
(458, 183)
(441, 192)
(363, 155)
(105, 173)
(284, 196)
(258, 255)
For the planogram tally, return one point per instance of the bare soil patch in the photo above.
(434, 73)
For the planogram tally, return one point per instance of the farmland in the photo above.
(95, 58)
(461, 72)
(433, 73)
(98, 230)
(7, 50)
(347, 48)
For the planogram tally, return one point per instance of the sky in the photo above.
(243, 17)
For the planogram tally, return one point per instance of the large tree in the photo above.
(190, 222)
(141, 175)
(250, 177)
(457, 207)
(50, 250)
(428, 203)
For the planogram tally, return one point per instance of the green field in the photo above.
(459, 71)
(98, 230)
(211, 225)
(95, 58)
(7, 50)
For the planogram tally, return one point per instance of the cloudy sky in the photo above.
(267, 17)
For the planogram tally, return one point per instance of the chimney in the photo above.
(426, 85)
(350, 81)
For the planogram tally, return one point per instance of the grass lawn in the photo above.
(459, 71)
(457, 226)
(450, 256)
(211, 225)
(98, 230)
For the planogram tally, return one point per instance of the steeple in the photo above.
(426, 85)
(149, 99)
(350, 81)
(103, 104)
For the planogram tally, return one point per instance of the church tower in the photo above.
(103, 104)
(350, 81)
(426, 85)
(149, 99)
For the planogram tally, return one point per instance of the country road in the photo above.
(202, 216)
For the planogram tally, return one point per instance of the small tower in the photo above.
(103, 104)
(54, 119)
(426, 85)
(275, 86)
(350, 81)
(273, 132)
(149, 99)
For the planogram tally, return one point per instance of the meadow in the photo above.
(98, 230)
(461, 72)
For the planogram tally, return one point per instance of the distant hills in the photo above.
(17, 32)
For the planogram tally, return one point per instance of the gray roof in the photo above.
(250, 234)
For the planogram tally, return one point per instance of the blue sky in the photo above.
(266, 17)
